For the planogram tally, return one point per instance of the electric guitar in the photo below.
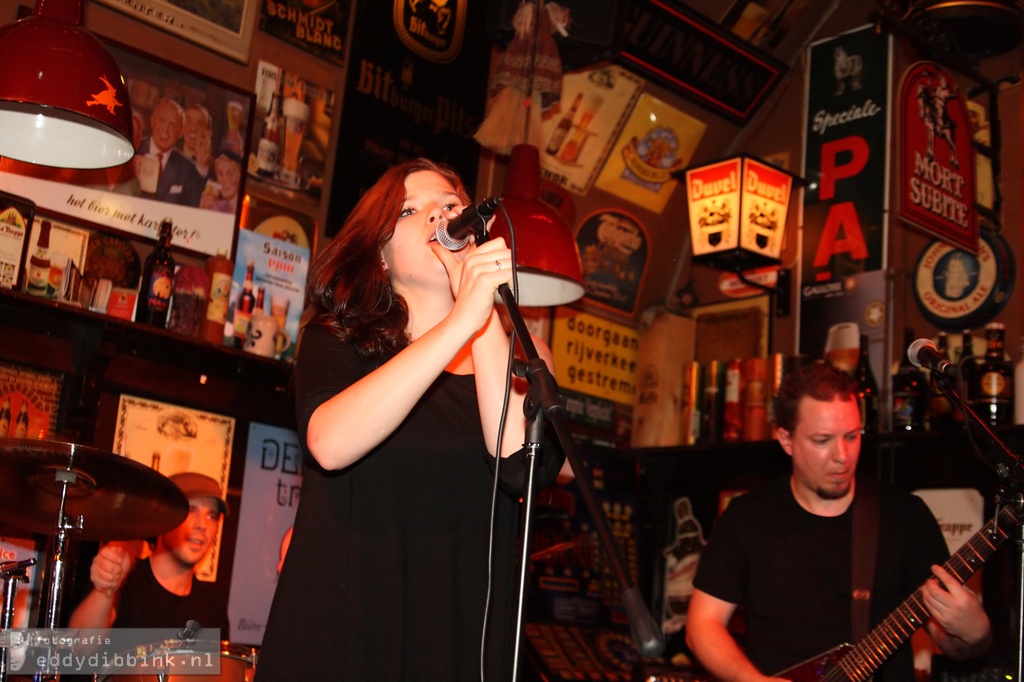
(857, 662)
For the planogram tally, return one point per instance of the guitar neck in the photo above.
(871, 652)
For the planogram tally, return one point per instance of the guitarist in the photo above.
(783, 552)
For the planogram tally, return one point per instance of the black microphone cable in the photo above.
(495, 488)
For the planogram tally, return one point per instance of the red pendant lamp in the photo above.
(550, 272)
(63, 101)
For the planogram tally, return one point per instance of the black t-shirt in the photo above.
(789, 570)
(144, 603)
(387, 572)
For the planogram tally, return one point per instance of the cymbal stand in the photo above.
(12, 573)
(58, 556)
(60, 552)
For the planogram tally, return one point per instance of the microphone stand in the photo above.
(1010, 470)
(544, 402)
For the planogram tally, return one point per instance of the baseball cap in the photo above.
(199, 485)
(231, 154)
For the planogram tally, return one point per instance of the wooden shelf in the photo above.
(102, 356)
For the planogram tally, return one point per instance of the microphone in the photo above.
(923, 353)
(189, 631)
(454, 235)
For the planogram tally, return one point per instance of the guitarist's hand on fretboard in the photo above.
(959, 624)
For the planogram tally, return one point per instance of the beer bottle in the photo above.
(992, 394)
(909, 392)
(867, 389)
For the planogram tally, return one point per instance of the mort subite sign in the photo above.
(937, 172)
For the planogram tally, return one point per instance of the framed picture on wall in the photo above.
(225, 27)
(29, 401)
(174, 439)
(190, 171)
(732, 329)
(289, 147)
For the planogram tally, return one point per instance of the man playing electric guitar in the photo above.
(784, 553)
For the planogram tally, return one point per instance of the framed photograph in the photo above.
(15, 221)
(289, 148)
(225, 27)
(594, 107)
(173, 439)
(29, 402)
(191, 170)
(733, 329)
(66, 244)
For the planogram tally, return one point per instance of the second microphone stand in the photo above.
(1010, 470)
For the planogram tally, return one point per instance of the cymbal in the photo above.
(118, 498)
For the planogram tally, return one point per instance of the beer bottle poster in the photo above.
(291, 133)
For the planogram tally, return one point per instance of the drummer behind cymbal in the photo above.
(162, 590)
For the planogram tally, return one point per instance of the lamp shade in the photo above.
(550, 271)
(63, 101)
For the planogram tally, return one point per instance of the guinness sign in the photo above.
(671, 44)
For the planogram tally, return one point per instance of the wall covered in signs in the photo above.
(622, 162)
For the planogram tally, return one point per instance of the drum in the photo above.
(172, 662)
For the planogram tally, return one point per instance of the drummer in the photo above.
(162, 590)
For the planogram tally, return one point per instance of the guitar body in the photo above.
(821, 667)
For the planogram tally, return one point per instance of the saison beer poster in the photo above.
(279, 268)
(273, 475)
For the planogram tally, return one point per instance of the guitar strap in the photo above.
(866, 515)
